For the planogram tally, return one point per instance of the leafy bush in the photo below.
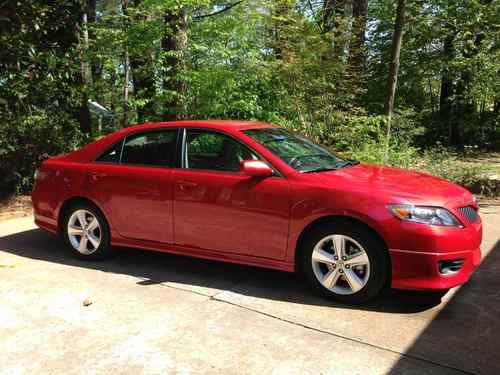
(36, 137)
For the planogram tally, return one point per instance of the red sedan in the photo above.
(257, 194)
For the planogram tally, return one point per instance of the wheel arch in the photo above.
(332, 219)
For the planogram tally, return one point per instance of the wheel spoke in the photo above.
(358, 259)
(75, 231)
(82, 219)
(93, 240)
(331, 278)
(353, 280)
(322, 256)
(83, 245)
(93, 224)
(339, 244)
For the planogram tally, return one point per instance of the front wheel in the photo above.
(345, 262)
(86, 232)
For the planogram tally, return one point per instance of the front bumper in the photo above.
(417, 249)
(420, 270)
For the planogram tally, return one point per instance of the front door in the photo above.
(218, 208)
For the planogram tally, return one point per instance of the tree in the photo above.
(392, 78)
(174, 45)
(356, 62)
(88, 18)
(397, 38)
(126, 67)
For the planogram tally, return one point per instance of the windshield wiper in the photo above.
(323, 169)
(349, 163)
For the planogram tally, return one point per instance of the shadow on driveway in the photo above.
(466, 332)
(158, 268)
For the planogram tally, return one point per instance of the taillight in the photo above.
(39, 175)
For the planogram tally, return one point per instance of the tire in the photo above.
(92, 249)
(365, 260)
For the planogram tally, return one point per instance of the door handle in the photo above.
(186, 185)
(96, 176)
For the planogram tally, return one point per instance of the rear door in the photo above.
(218, 208)
(133, 182)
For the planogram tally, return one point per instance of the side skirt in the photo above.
(205, 254)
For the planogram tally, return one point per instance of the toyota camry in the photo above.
(257, 194)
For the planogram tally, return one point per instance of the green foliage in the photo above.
(278, 61)
(39, 87)
(36, 136)
(441, 162)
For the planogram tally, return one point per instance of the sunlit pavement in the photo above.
(158, 313)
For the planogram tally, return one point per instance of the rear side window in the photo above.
(112, 155)
(152, 148)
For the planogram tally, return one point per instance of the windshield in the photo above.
(298, 152)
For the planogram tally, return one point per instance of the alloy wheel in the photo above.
(340, 264)
(84, 231)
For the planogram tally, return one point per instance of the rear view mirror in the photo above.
(256, 168)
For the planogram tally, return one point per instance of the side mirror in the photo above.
(256, 168)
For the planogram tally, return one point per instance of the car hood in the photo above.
(404, 185)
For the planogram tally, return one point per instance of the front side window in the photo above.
(298, 152)
(156, 148)
(214, 151)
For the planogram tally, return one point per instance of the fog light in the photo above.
(449, 267)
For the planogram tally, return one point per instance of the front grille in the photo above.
(469, 213)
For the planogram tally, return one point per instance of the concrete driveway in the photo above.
(158, 313)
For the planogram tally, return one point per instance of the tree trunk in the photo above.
(339, 25)
(88, 16)
(281, 26)
(142, 78)
(126, 68)
(356, 61)
(397, 38)
(126, 78)
(447, 87)
(141, 70)
(174, 45)
(327, 15)
(392, 78)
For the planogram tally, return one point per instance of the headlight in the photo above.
(424, 215)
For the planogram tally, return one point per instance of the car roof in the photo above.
(209, 124)
(92, 150)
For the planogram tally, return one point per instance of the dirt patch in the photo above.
(16, 206)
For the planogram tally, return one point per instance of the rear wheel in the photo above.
(86, 232)
(345, 262)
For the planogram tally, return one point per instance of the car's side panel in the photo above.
(58, 181)
(137, 198)
(231, 213)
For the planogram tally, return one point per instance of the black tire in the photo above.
(375, 250)
(104, 250)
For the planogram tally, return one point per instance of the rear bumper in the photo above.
(420, 270)
(46, 223)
